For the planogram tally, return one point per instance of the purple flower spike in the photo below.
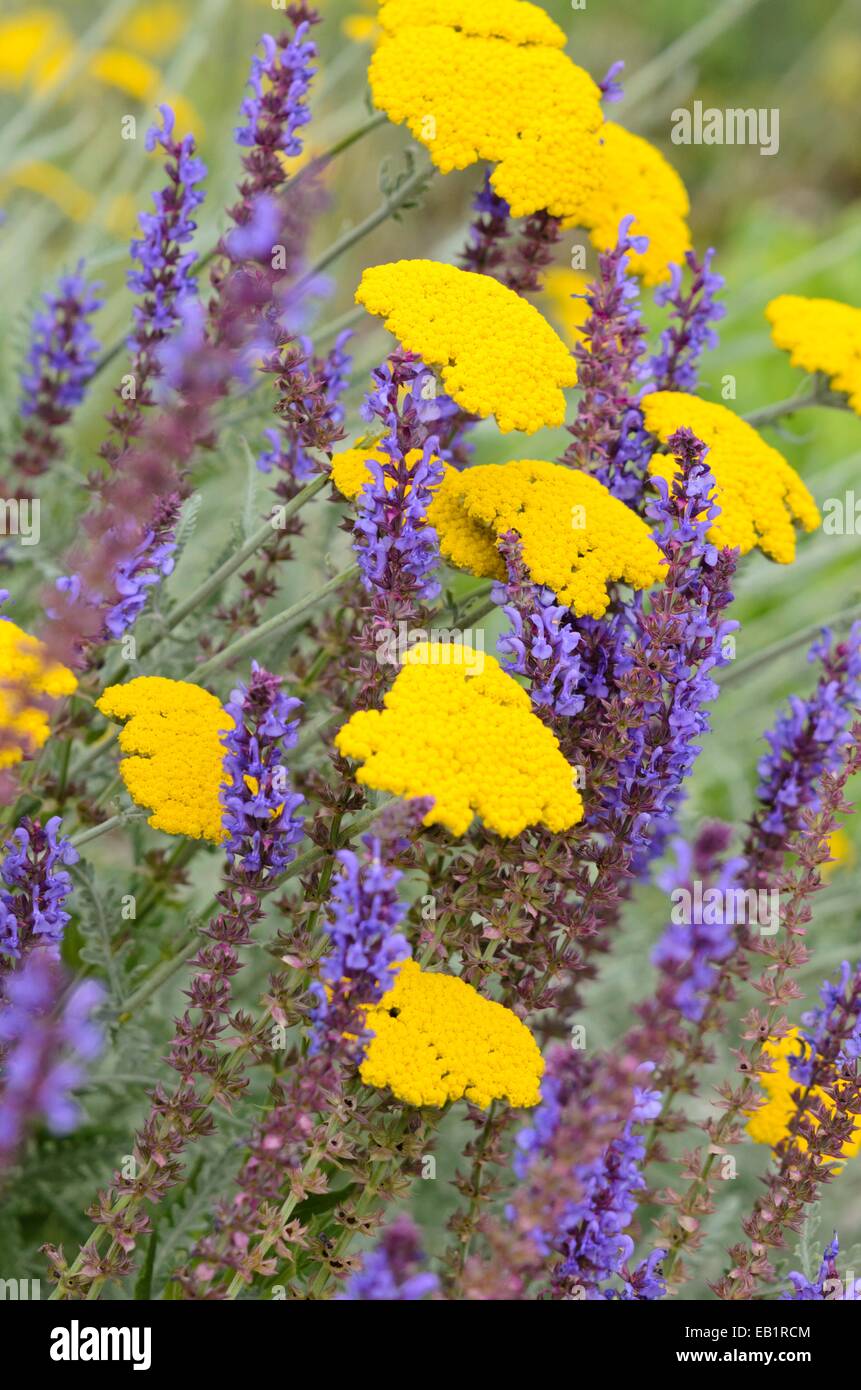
(36, 886)
(45, 1043)
(260, 809)
(60, 363)
(365, 914)
(392, 1272)
(397, 550)
(542, 643)
(827, 1286)
(609, 438)
(675, 367)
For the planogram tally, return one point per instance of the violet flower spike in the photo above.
(675, 367)
(260, 809)
(35, 888)
(45, 1043)
(60, 363)
(392, 1272)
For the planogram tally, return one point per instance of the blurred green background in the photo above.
(71, 188)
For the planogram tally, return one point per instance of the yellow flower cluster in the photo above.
(175, 730)
(759, 494)
(476, 80)
(823, 336)
(350, 472)
(457, 728)
(24, 677)
(496, 353)
(770, 1123)
(437, 1040)
(575, 537)
(636, 178)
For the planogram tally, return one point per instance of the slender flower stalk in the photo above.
(828, 1284)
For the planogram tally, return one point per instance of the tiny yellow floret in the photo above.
(496, 354)
(174, 730)
(456, 727)
(27, 682)
(437, 1040)
(760, 495)
(822, 335)
(770, 1123)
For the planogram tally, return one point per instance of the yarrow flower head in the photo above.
(460, 62)
(60, 363)
(35, 888)
(822, 335)
(496, 354)
(759, 495)
(46, 1041)
(29, 682)
(260, 819)
(435, 1040)
(576, 539)
(636, 179)
(455, 727)
(675, 367)
(392, 1272)
(174, 748)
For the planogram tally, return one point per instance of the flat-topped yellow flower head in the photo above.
(636, 178)
(759, 494)
(501, 90)
(455, 727)
(822, 335)
(576, 538)
(174, 731)
(515, 20)
(496, 354)
(27, 682)
(770, 1123)
(437, 1040)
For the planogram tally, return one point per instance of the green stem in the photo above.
(234, 562)
(113, 823)
(250, 640)
(767, 414)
